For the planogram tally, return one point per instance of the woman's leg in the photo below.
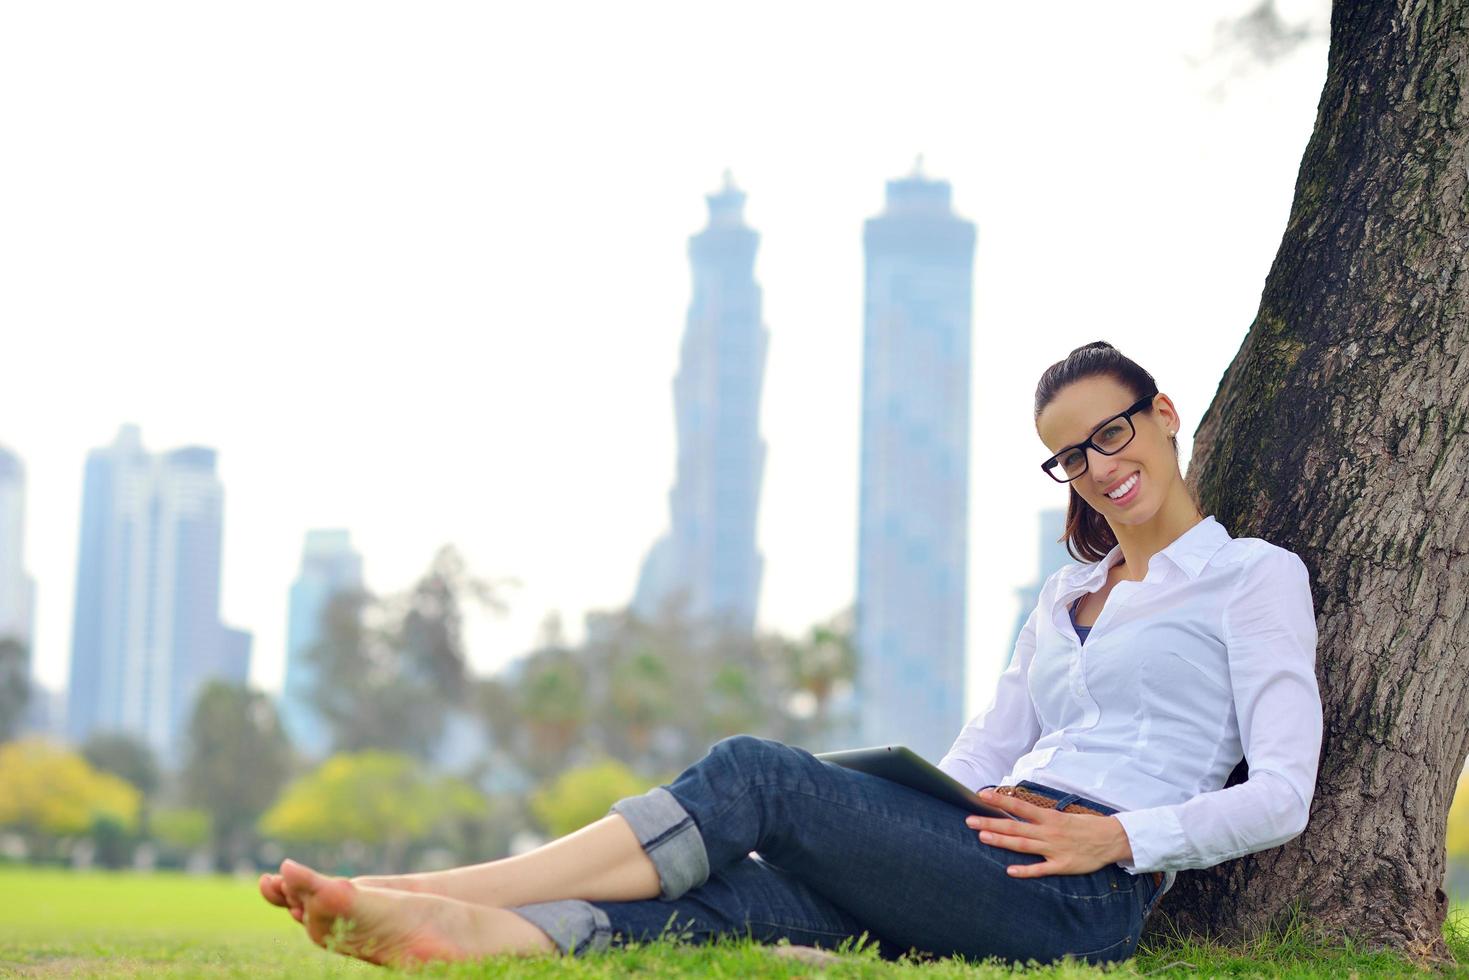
(747, 899)
(899, 861)
(391, 926)
(601, 861)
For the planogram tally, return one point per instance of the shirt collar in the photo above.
(1189, 552)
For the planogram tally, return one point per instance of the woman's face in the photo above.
(1075, 413)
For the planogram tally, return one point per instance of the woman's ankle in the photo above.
(402, 883)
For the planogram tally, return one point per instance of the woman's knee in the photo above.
(753, 756)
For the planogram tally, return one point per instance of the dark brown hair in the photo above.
(1088, 536)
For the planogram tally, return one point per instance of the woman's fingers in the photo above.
(1038, 870)
(1017, 806)
(998, 825)
(1010, 843)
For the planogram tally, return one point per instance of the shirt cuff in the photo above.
(1156, 838)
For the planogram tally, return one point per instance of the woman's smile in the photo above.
(1133, 486)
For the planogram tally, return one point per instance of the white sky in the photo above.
(419, 270)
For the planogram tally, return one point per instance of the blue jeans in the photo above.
(840, 853)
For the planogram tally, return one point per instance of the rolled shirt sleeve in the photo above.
(1270, 640)
(993, 739)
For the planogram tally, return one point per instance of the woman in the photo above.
(1141, 678)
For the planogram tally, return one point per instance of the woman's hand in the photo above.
(1072, 843)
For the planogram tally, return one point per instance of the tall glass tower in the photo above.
(146, 629)
(329, 566)
(913, 533)
(708, 557)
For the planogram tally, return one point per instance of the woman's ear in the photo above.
(1167, 415)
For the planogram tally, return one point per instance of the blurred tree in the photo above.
(429, 618)
(48, 792)
(387, 669)
(580, 796)
(657, 693)
(126, 757)
(552, 705)
(380, 799)
(238, 758)
(822, 665)
(642, 696)
(129, 759)
(496, 704)
(15, 686)
(182, 829)
(362, 691)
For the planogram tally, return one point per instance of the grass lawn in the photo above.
(59, 924)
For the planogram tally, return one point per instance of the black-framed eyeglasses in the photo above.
(1108, 438)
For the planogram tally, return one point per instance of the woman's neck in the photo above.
(1141, 542)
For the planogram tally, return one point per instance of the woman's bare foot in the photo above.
(273, 888)
(394, 926)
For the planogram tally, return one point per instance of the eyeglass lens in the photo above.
(1108, 440)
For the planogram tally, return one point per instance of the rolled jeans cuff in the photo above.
(574, 926)
(670, 837)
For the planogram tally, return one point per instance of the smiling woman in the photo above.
(1110, 764)
(1067, 400)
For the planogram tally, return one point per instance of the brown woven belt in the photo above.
(1021, 793)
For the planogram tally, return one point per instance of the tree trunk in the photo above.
(1339, 432)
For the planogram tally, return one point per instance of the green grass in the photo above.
(61, 924)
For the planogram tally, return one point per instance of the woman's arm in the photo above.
(989, 745)
(1270, 639)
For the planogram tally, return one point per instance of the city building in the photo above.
(146, 632)
(329, 567)
(707, 561)
(913, 499)
(17, 589)
(1051, 554)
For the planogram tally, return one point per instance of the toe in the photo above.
(270, 887)
(299, 881)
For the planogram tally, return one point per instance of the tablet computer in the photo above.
(900, 764)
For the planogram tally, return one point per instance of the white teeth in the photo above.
(1126, 486)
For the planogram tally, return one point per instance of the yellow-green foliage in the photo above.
(46, 789)
(181, 827)
(370, 797)
(1458, 835)
(579, 796)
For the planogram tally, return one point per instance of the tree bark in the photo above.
(1338, 432)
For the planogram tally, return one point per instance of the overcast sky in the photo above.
(419, 270)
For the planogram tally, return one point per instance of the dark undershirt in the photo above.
(1081, 631)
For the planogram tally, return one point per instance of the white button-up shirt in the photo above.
(1209, 658)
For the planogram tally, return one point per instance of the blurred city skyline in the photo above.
(421, 275)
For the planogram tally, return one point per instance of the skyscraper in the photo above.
(17, 589)
(913, 514)
(709, 555)
(329, 566)
(146, 631)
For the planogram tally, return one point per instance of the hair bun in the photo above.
(1094, 345)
